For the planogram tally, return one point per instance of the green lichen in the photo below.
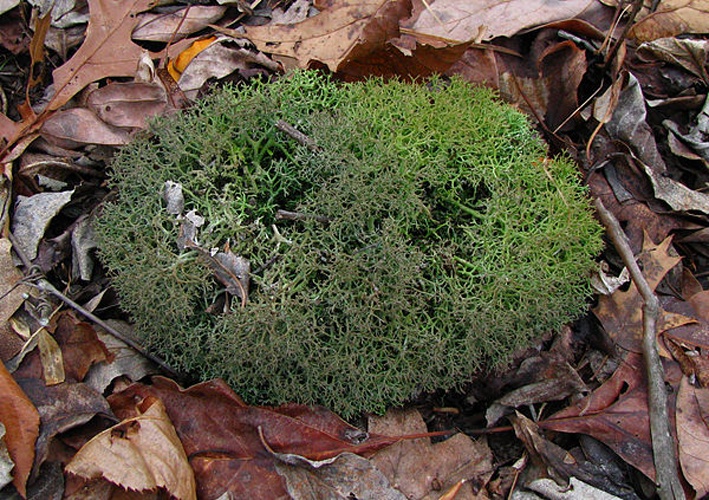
(449, 240)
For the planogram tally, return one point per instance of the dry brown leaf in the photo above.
(162, 27)
(128, 104)
(12, 298)
(140, 454)
(77, 126)
(420, 469)
(106, 51)
(693, 435)
(460, 21)
(673, 17)
(621, 313)
(346, 30)
(21, 421)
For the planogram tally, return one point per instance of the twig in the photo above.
(296, 134)
(286, 215)
(41, 283)
(663, 446)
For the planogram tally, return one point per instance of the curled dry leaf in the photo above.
(21, 421)
(128, 104)
(461, 21)
(139, 454)
(75, 127)
(32, 217)
(346, 30)
(163, 27)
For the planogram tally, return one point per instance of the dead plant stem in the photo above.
(663, 446)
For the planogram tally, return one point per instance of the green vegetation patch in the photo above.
(428, 236)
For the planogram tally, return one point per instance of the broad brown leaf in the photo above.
(346, 30)
(12, 298)
(621, 313)
(106, 51)
(139, 454)
(220, 434)
(460, 21)
(21, 421)
(617, 414)
(693, 435)
(673, 17)
(420, 469)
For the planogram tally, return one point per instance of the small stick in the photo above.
(296, 134)
(663, 446)
(41, 283)
(286, 215)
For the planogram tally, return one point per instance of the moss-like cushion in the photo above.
(432, 237)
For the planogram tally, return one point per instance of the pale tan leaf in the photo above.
(140, 454)
(345, 31)
(163, 27)
(128, 104)
(77, 126)
(459, 21)
(52, 359)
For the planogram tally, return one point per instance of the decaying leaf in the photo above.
(128, 104)
(673, 17)
(693, 435)
(32, 217)
(685, 53)
(61, 407)
(621, 313)
(342, 477)
(21, 421)
(346, 30)
(139, 454)
(220, 434)
(12, 298)
(420, 469)
(163, 27)
(461, 21)
(106, 51)
(617, 414)
(75, 127)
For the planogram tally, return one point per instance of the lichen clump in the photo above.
(432, 236)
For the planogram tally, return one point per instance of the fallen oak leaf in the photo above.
(621, 312)
(106, 51)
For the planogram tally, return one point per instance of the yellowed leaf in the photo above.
(347, 30)
(52, 359)
(140, 454)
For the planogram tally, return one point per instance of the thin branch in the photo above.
(663, 446)
(296, 134)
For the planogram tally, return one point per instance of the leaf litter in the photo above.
(650, 174)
